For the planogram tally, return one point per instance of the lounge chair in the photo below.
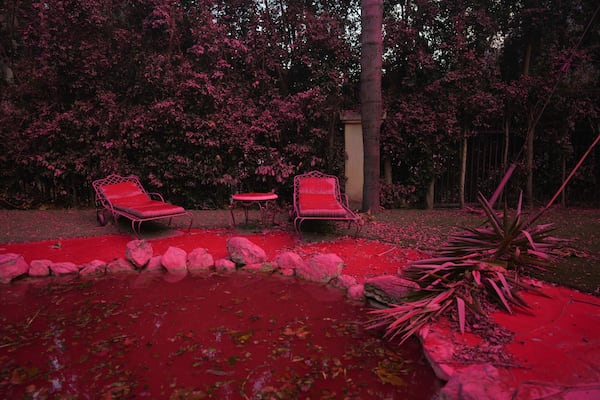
(317, 196)
(124, 196)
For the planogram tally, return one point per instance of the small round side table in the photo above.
(264, 201)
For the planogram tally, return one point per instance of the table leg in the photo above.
(264, 207)
(246, 207)
(231, 207)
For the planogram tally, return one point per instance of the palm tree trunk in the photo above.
(370, 97)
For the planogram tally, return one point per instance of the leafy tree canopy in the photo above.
(201, 98)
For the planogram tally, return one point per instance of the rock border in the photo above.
(243, 254)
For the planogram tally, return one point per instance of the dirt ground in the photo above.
(577, 267)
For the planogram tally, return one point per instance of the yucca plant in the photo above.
(513, 242)
(475, 265)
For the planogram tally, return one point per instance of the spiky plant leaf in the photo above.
(460, 307)
(500, 295)
(477, 277)
(539, 254)
(505, 285)
(490, 213)
(529, 238)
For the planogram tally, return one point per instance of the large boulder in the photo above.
(383, 290)
(139, 252)
(288, 262)
(174, 260)
(356, 292)
(242, 251)
(260, 267)
(321, 268)
(225, 265)
(155, 264)
(12, 266)
(94, 267)
(200, 260)
(476, 382)
(64, 268)
(39, 268)
(119, 265)
(344, 281)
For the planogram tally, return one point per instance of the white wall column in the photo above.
(353, 143)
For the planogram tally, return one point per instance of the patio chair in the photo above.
(124, 196)
(317, 196)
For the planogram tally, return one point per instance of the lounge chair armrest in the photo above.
(344, 197)
(156, 196)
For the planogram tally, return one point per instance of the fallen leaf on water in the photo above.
(389, 377)
(241, 337)
(187, 394)
(19, 376)
(301, 332)
(219, 372)
(117, 390)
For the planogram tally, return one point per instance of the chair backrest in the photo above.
(120, 189)
(316, 182)
(309, 185)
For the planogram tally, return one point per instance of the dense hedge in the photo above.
(198, 99)
(201, 98)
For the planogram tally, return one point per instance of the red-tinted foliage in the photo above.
(202, 98)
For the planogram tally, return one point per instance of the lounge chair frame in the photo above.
(343, 212)
(106, 205)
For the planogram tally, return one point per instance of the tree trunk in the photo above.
(387, 171)
(463, 170)
(370, 97)
(564, 184)
(563, 198)
(529, 158)
(505, 167)
(506, 142)
(331, 150)
(430, 196)
(529, 136)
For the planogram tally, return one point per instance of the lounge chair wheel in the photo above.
(101, 217)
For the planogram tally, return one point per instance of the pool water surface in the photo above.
(222, 336)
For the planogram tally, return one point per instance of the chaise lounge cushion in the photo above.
(320, 205)
(129, 198)
(317, 186)
(317, 198)
(149, 208)
(124, 193)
